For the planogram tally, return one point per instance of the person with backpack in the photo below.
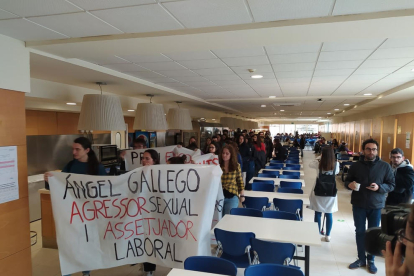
(323, 198)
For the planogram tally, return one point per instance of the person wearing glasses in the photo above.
(404, 179)
(370, 179)
(395, 264)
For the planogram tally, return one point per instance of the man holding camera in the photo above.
(404, 179)
(370, 179)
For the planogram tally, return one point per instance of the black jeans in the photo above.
(149, 267)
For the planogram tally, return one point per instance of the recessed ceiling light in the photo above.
(263, 105)
(272, 97)
(282, 110)
(131, 110)
(319, 117)
(380, 96)
(412, 70)
(328, 113)
(336, 109)
(257, 76)
(368, 94)
(213, 119)
(71, 103)
(346, 104)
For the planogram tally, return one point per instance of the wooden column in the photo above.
(15, 254)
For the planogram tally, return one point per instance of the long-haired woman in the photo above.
(325, 204)
(231, 179)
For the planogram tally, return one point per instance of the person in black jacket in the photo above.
(247, 152)
(404, 179)
(302, 144)
(280, 151)
(370, 179)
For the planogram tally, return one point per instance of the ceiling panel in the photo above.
(398, 43)
(405, 52)
(201, 13)
(373, 71)
(107, 4)
(78, 24)
(372, 63)
(223, 77)
(327, 65)
(125, 67)
(146, 18)
(293, 48)
(293, 58)
(262, 82)
(296, 74)
(286, 67)
(26, 31)
(190, 79)
(370, 44)
(105, 60)
(259, 69)
(158, 66)
(145, 74)
(6, 15)
(178, 73)
(225, 83)
(274, 10)
(247, 52)
(214, 71)
(145, 58)
(249, 61)
(368, 6)
(203, 83)
(334, 72)
(203, 64)
(344, 55)
(265, 76)
(294, 80)
(38, 7)
(190, 55)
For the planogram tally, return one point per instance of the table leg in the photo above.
(307, 260)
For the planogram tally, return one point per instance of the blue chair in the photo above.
(272, 270)
(280, 215)
(289, 205)
(267, 175)
(263, 181)
(290, 190)
(291, 173)
(292, 167)
(290, 184)
(247, 212)
(210, 264)
(289, 176)
(274, 166)
(263, 187)
(276, 161)
(296, 162)
(234, 246)
(271, 172)
(258, 203)
(266, 252)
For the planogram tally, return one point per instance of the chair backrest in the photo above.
(344, 157)
(263, 181)
(263, 187)
(248, 212)
(272, 252)
(290, 190)
(276, 161)
(291, 173)
(292, 167)
(290, 184)
(296, 162)
(267, 175)
(233, 243)
(258, 203)
(280, 215)
(271, 172)
(289, 176)
(272, 270)
(288, 205)
(275, 166)
(209, 264)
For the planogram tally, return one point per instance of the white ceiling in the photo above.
(304, 67)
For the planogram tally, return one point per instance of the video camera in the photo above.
(393, 218)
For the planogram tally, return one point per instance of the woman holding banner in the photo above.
(84, 162)
(231, 179)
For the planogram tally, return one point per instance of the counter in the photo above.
(48, 223)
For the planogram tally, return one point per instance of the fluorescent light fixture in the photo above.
(319, 117)
(131, 110)
(71, 103)
(368, 94)
(336, 109)
(282, 110)
(213, 119)
(257, 76)
(272, 97)
(380, 96)
(202, 119)
(263, 105)
(328, 113)
(346, 104)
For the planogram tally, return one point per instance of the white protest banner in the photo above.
(206, 159)
(190, 154)
(159, 214)
(133, 157)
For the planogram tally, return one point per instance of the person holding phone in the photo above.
(370, 179)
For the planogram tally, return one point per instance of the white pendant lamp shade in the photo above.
(179, 118)
(150, 116)
(101, 112)
(228, 122)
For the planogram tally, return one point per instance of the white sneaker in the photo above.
(148, 273)
(327, 238)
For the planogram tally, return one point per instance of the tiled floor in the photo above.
(330, 259)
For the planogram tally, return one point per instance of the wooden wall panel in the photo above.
(387, 136)
(130, 122)
(67, 123)
(15, 256)
(367, 129)
(31, 122)
(357, 140)
(405, 122)
(376, 129)
(351, 136)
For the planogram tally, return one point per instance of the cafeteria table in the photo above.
(276, 230)
(182, 272)
(276, 181)
(272, 195)
(281, 171)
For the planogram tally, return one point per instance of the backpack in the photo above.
(326, 184)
